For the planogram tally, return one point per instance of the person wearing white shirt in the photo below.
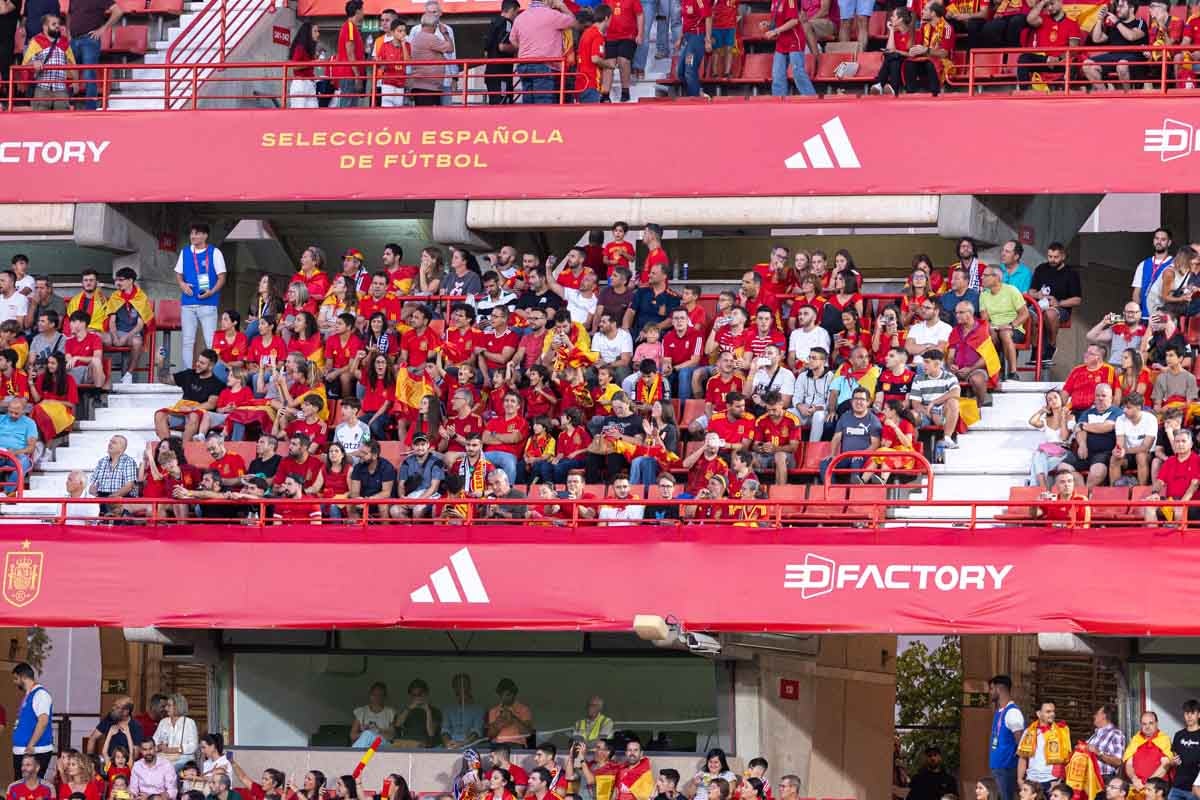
(808, 334)
(625, 514)
(614, 347)
(80, 513)
(931, 333)
(772, 376)
(1137, 433)
(376, 718)
(26, 283)
(13, 304)
(176, 736)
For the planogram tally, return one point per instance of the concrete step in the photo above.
(148, 401)
(953, 486)
(119, 420)
(1013, 468)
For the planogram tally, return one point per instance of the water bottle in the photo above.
(675, 272)
(685, 270)
(939, 453)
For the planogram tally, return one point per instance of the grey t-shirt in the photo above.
(857, 431)
(469, 284)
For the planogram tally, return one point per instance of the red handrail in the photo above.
(983, 71)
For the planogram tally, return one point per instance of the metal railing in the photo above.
(1159, 69)
(208, 40)
(176, 85)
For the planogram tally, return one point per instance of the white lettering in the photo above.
(946, 578)
(5, 158)
(74, 151)
(923, 571)
(892, 582)
(847, 573)
(971, 576)
(52, 152)
(998, 575)
(872, 573)
(97, 149)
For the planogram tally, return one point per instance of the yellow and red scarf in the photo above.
(1057, 738)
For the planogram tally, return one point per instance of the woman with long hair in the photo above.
(500, 785)
(1056, 424)
(899, 434)
(428, 420)
(265, 354)
(716, 766)
(429, 274)
(889, 333)
(302, 89)
(314, 786)
(267, 302)
(810, 296)
(379, 339)
(751, 789)
(347, 788)
(230, 345)
(379, 386)
(1030, 790)
(306, 339)
(660, 431)
(399, 788)
(341, 299)
(845, 295)
(916, 290)
(337, 479)
(987, 789)
(55, 397)
(1133, 375)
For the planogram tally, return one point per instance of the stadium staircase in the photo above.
(992, 458)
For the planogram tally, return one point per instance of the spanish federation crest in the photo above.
(22, 575)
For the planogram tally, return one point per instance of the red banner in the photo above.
(820, 147)
(714, 578)
(337, 8)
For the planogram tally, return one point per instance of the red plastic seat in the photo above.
(877, 26)
(990, 67)
(827, 64)
(756, 69)
(814, 453)
(1020, 500)
(131, 39)
(865, 502)
(692, 410)
(751, 28)
(792, 496)
(168, 7)
(1116, 494)
(167, 314)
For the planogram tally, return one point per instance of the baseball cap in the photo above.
(420, 437)
(354, 253)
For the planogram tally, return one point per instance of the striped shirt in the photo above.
(926, 389)
(1108, 741)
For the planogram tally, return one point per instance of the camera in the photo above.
(702, 643)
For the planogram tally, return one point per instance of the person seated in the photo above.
(230, 345)
(308, 422)
(971, 355)
(55, 397)
(373, 478)
(1164, 332)
(1062, 505)
(420, 478)
(1082, 382)
(934, 397)
(126, 315)
(1178, 479)
(1095, 438)
(235, 394)
(1057, 424)
(300, 462)
(376, 718)
(342, 350)
(19, 436)
(291, 489)
(625, 512)
(200, 392)
(499, 488)
(776, 437)
(84, 350)
(1136, 431)
(1174, 386)
(898, 435)
(1120, 27)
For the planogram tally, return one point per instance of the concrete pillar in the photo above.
(131, 234)
(450, 226)
(993, 219)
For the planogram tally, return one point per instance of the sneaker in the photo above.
(127, 378)
(875, 477)
(1048, 356)
(949, 443)
(888, 91)
(876, 88)
(1012, 376)
(624, 95)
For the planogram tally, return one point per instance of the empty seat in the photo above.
(756, 69)
(167, 314)
(751, 27)
(692, 410)
(1020, 503)
(792, 496)
(1115, 494)
(814, 453)
(131, 39)
(877, 26)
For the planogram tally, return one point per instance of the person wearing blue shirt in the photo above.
(1008, 723)
(1016, 274)
(33, 735)
(19, 436)
(462, 722)
(960, 292)
(652, 304)
(200, 273)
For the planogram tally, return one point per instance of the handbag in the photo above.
(1052, 449)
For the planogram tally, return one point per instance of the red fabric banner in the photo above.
(337, 8)
(818, 147)
(499, 577)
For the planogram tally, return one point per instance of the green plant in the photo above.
(928, 700)
(37, 647)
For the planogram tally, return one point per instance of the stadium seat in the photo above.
(751, 28)
(692, 410)
(792, 495)
(130, 39)
(864, 503)
(395, 452)
(197, 455)
(877, 26)
(1020, 499)
(756, 70)
(1137, 494)
(814, 453)
(1192, 330)
(1116, 494)
(990, 67)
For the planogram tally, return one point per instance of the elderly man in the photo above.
(968, 351)
(499, 488)
(79, 513)
(1095, 438)
(1003, 307)
(537, 34)
(594, 724)
(115, 476)
(127, 732)
(1148, 755)
(19, 436)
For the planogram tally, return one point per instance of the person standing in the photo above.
(1044, 748)
(1107, 743)
(791, 37)
(1007, 724)
(46, 54)
(10, 14)
(537, 34)
(33, 735)
(200, 273)
(1186, 746)
(90, 21)
(350, 48)
(499, 77)
(695, 42)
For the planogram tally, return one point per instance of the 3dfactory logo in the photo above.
(1173, 140)
(819, 576)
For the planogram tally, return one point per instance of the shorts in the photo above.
(1082, 465)
(855, 8)
(176, 420)
(722, 38)
(82, 375)
(926, 420)
(620, 48)
(1064, 314)
(216, 419)
(1109, 61)
(766, 461)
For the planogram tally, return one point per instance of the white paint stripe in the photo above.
(843, 151)
(468, 576)
(443, 584)
(422, 595)
(817, 154)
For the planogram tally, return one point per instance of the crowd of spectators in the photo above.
(596, 377)
(1036, 758)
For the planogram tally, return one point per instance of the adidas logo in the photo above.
(816, 154)
(444, 586)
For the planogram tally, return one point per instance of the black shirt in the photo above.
(1063, 283)
(197, 389)
(1115, 37)
(1186, 745)
(497, 34)
(119, 739)
(1156, 351)
(371, 483)
(264, 466)
(547, 301)
(661, 513)
(930, 785)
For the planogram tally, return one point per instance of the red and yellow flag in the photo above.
(409, 391)
(1083, 773)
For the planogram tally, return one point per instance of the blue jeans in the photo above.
(221, 371)
(668, 32)
(843, 477)
(87, 51)
(192, 315)
(7, 479)
(251, 330)
(559, 473)
(643, 471)
(1006, 781)
(681, 383)
(537, 83)
(589, 96)
(237, 432)
(506, 462)
(779, 84)
(690, 60)
(1180, 794)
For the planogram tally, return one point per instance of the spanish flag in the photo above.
(409, 391)
(665, 458)
(1086, 14)
(257, 412)
(1147, 754)
(94, 305)
(137, 298)
(636, 782)
(1083, 773)
(578, 354)
(980, 340)
(52, 417)
(21, 348)
(318, 391)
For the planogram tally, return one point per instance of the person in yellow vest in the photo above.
(594, 725)
(89, 300)
(1044, 749)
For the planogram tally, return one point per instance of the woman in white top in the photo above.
(176, 735)
(212, 746)
(715, 766)
(1056, 423)
(376, 718)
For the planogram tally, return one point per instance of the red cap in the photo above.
(354, 253)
